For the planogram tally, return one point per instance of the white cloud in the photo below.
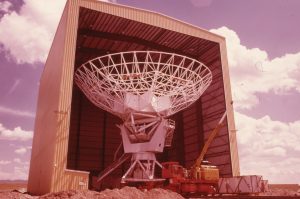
(252, 72)
(21, 150)
(27, 35)
(269, 148)
(266, 147)
(18, 170)
(5, 6)
(17, 160)
(17, 173)
(4, 162)
(15, 134)
(14, 112)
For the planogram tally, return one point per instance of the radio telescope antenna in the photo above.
(143, 88)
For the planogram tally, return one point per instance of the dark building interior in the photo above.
(94, 137)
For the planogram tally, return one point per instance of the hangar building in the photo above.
(74, 140)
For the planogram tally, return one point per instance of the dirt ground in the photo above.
(124, 193)
(281, 192)
(132, 192)
(22, 186)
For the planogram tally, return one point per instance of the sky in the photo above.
(263, 47)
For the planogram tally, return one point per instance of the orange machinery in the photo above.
(201, 178)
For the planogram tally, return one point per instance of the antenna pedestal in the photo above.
(142, 168)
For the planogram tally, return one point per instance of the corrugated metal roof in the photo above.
(100, 33)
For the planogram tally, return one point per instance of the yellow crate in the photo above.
(209, 173)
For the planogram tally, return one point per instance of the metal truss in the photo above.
(171, 82)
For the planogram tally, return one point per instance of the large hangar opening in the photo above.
(79, 139)
(94, 136)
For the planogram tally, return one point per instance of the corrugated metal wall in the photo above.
(86, 141)
(213, 107)
(46, 126)
(192, 133)
(94, 136)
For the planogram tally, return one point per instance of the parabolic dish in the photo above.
(143, 81)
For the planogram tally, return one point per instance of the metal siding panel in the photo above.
(224, 159)
(230, 114)
(151, 18)
(46, 122)
(61, 178)
(218, 149)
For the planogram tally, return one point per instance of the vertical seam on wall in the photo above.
(103, 140)
(200, 125)
(78, 131)
(181, 150)
(227, 124)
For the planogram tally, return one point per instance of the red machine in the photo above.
(181, 180)
(201, 178)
